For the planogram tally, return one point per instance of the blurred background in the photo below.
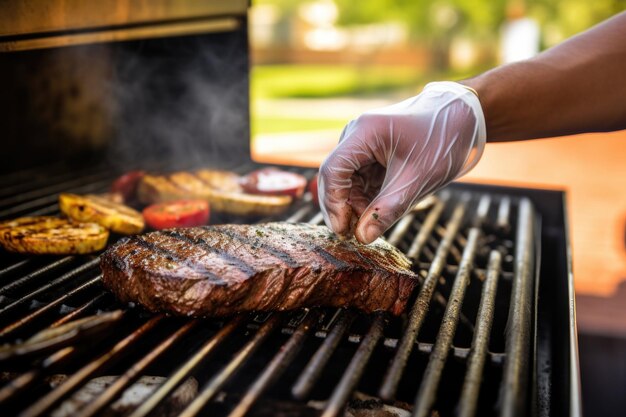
(318, 64)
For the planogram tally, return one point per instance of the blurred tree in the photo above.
(435, 22)
(561, 19)
(438, 22)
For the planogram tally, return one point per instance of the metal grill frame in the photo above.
(519, 341)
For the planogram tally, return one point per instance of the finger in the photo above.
(384, 210)
(358, 197)
(335, 180)
(379, 216)
(366, 185)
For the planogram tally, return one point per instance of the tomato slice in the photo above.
(181, 213)
(273, 181)
(126, 185)
(313, 190)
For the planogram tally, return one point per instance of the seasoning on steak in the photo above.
(225, 269)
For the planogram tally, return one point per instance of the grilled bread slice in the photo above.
(119, 218)
(52, 235)
(220, 188)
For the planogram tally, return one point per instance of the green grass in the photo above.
(317, 81)
(280, 125)
(327, 81)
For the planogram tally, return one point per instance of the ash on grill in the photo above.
(463, 348)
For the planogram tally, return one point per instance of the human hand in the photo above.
(390, 158)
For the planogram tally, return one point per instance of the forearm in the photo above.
(578, 86)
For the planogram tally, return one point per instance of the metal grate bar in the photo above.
(432, 376)
(37, 183)
(52, 284)
(15, 266)
(182, 373)
(77, 312)
(52, 199)
(277, 366)
(18, 198)
(299, 214)
(420, 307)
(400, 229)
(426, 230)
(313, 370)
(27, 379)
(483, 210)
(46, 211)
(44, 404)
(476, 362)
(355, 369)
(209, 391)
(46, 308)
(396, 236)
(513, 389)
(134, 372)
(503, 214)
(317, 219)
(35, 274)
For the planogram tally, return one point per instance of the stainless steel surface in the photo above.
(35, 24)
(432, 375)
(480, 342)
(518, 340)
(420, 307)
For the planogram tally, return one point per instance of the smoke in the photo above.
(180, 102)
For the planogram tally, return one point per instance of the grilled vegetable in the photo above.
(182, 213)
(127, 184)
(220, 180)
(114, 197)
(248, 204)
(91, 208)
(220, 188)
(273, 181)
(52, 235)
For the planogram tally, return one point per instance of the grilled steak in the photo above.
(226, 269)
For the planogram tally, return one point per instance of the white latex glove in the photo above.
(390, 158)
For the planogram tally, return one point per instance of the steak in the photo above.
(226, 269)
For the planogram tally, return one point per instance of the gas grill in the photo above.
(490, 329)
(485, 334)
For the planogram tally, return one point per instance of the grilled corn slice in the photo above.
(91, 208)
(52, 235)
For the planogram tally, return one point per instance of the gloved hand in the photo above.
(388, 159)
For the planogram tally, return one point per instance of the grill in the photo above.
(490, 330)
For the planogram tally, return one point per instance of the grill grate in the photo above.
(462, 349)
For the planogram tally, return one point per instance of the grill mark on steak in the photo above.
(311, 246)
(171, 256)
(238, 263)
(258, 243)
